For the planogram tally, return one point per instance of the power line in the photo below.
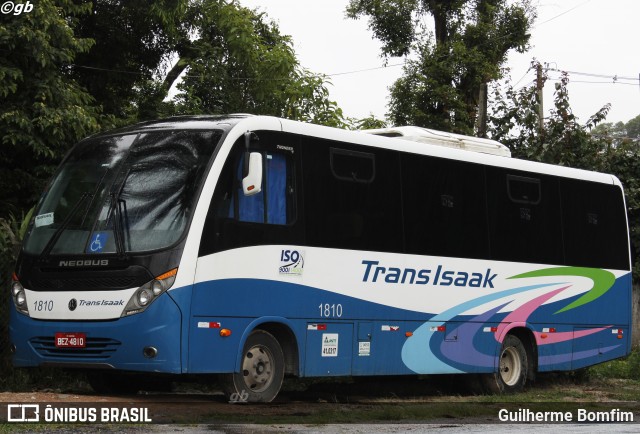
(119, 71)
(615, 79)
(602, 82)
(364, 70)
(563, 13)
(522, 78)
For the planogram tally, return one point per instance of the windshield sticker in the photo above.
(98, 242)
(44, 219)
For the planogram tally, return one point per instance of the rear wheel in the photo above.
(513, 367)
(262, 371)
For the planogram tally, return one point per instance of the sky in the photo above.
(595, 40)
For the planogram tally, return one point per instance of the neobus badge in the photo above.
(85, 263)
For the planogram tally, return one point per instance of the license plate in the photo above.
(71, 340)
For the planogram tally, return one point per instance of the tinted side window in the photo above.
(444, 207)
(352, 165)
(524, 217)
(352, 196)
(594, 225)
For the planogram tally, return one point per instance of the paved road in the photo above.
(448, 428)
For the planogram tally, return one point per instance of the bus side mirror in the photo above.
(252, 181)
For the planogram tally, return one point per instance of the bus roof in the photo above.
(406, 139)
(417, 147)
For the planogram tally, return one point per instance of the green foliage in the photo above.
(68, 69)
(626, 368)
(368, 123)
(620, 132)
(441, 83)
(633, 128)
(12, 230)
(43, 112)
(390, 21)
(565, 141)
(9, 246)
(241, 63)
(133, 40)
(306, 99)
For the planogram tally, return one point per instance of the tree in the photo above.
(43, 111)
(565, 141)
(633, 128)
(68, 69)
(133, 40)
(620, 132)
(225, 58)
(241, 63)
(469, 43)
(368, 123)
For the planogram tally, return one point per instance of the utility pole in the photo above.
(539, 87)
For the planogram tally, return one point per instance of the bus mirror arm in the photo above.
(252, 182)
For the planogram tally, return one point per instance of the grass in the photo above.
(442, 399)
(626, 368)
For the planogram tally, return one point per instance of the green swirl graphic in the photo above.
(602, 281)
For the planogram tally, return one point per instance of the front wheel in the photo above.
(512, 368)
(262, 371)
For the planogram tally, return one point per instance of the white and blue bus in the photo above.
(257, 248)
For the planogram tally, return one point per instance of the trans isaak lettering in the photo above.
(374, 272)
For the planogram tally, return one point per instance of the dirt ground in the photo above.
(342, 401)
(388, 400)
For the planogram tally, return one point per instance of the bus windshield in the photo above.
(127, 193)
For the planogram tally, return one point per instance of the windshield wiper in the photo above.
(56, 235)
(115, 211)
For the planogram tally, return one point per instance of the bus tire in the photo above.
(262, 371)
(513, 368)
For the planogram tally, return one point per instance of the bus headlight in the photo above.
(144, 297)
(158, 287)
(19, 296)
(147, 293)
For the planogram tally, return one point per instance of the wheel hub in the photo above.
(257, 368)
(510, 366)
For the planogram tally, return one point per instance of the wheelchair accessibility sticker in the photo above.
(98, 242)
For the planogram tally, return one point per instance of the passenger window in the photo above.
(594, 223)
(523, 190)
(354, 166)
(273, 204)
(444, 208)
(352, 196)
(524, 217)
